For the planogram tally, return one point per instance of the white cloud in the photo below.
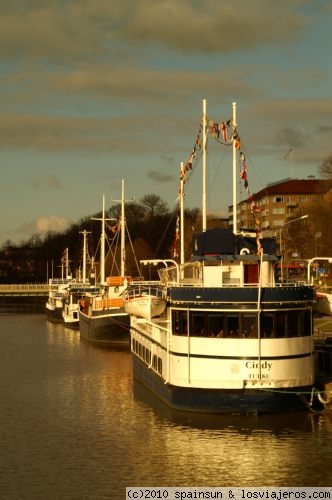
(52, 223)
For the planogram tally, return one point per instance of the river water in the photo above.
(74, 425)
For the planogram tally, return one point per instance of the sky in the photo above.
(95, 91)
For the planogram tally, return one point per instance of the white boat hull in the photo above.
(323, 304)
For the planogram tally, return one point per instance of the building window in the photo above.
(278, 211)
(303, 199)
(278, 199)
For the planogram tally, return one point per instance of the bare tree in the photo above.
(154, 205)
(325, 169)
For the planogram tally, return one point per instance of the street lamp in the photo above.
(282, 227)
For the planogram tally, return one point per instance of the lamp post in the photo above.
(282, 227)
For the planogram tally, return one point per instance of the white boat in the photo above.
(102, 317)
(323, 299)
(76, 290)
(323, 303)
(145, 300)
(230, 339)
(57, 289)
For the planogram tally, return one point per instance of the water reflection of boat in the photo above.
(278, 425)
(231, 339)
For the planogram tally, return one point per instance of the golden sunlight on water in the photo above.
(76, 425)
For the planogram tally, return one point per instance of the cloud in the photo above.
(51, 182)
(157, 176)
(214, 26)
(41, 226)
(289, 136)
(48, 30)
(52, 223)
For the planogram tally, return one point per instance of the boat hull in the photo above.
(323, 304)
(54, 315)
(221, 401)
(105, 329)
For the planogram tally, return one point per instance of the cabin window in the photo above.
(305, 323)
(293, 323)
(215, 325)
(199, 326)
(280, 324)
(249, 326)
(267, 325)
(148, 356)
(277, 324)
(179, 322)
(232, 326)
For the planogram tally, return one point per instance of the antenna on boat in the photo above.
(204, 167)
(234, 171)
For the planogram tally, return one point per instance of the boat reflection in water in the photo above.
(282, 424)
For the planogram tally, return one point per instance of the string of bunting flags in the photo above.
(224, 133)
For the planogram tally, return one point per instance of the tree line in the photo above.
(151, 232)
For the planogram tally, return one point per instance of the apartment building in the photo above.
(279, 202)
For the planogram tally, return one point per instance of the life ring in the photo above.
(244, 251)
(325, 396)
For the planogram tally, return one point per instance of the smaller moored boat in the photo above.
(71, 302)
(323, 303)
(57, 290)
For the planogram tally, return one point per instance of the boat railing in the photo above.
(59, 281)
(141, 289)
(232, 283)
(152, 327)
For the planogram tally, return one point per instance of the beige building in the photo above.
(278, 203)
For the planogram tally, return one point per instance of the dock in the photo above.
(23, 297)
(26, 290)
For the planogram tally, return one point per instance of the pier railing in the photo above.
(24, 290)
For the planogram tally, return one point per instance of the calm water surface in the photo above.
(74, 425)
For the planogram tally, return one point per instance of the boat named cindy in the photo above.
(230, 337)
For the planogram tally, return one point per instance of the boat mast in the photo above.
(182, 216)
(102, 243)
(234, 171)
(123, 229)
(204, 167)
(102, 246)
(85, 233)
(123, 247)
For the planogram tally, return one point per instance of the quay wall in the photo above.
(29, 298)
